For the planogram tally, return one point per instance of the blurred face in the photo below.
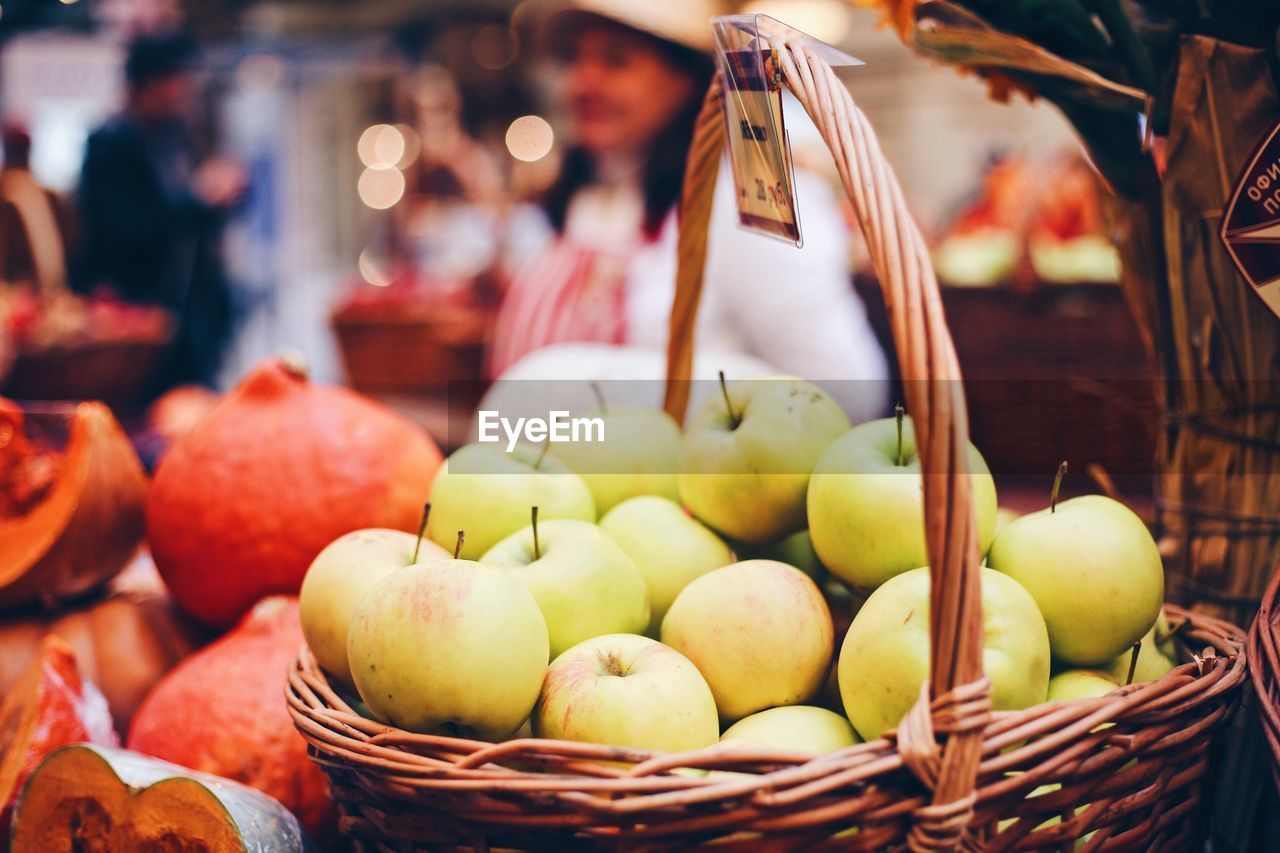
(622, 90)
(164, 98)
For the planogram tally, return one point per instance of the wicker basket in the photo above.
(1118, 772)
(117, 372)
(410, 351)
(1264, 668)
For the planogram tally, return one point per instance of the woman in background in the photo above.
(636, 77)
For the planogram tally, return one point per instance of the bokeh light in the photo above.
(380, 188)
(529, 138)
(495, 46)
(381, 146)
(372, 270)
(412, 145)
(259, 72)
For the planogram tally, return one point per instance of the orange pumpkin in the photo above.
(69, 520)
(222, 711)
(49, 706)
(124, 640)
(245, 500)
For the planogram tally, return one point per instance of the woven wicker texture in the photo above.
(1117, 772)
(1264, 667)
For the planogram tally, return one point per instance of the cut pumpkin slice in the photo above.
(74, 533)
(92, 799)
(49, 706)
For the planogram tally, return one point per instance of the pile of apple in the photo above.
(594, 594)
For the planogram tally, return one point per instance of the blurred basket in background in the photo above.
(70, 347)
(404, 340)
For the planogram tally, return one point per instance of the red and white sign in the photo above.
(1251, 224)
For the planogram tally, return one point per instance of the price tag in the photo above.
(1251, 224)
(747, 49)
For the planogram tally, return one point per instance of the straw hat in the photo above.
(683, 22)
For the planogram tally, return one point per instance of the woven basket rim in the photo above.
(1041, 744)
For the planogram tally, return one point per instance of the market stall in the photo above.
(990, 591)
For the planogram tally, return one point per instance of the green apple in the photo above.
(638, 456)
(794, 550)
(626, 690)
(1080, 684)
(866, 504)
(1094, 570)
(1156, 656)
(885, 655)
(747, 454)
(759, 631)
(795, 728)
(449, 646)
(670, 547)
(487, 494)
(339, 577)
(585, 585)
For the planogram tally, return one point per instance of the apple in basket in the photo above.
(885, 656)
(793, 728)
(449, 647)
(1080, 684)
(488, 493)
(637, 455)
(1156, 656)
(759, 631)
(626, 690)
(585, 585)
(866, 503)
(339, 577)
(1094, 570)
(747, 454)
(670, 547)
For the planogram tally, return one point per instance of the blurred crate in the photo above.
(1058, 372)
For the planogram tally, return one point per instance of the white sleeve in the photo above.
(796, 308)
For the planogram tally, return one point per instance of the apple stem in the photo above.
(899, 413)
(546, 445)
(457, 549)
(1057, 486)
(537, 551)
(595, 389)
(422, 529)
(728, 404)
(1133, 663)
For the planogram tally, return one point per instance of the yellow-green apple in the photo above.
(795, 728)
(866, 504)
(747, 454)
(1080, 684)
(1093, 569)
(885, 655)
(759, 631)
(638, 455)
(585, 585)
(1156, 656)
(794, 550)
(449, 646)
(627, 690)
(669, 546)
(487, 493)
(339, 577)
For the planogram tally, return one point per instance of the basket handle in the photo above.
(957, 702)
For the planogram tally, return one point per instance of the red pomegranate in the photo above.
(244, 501)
